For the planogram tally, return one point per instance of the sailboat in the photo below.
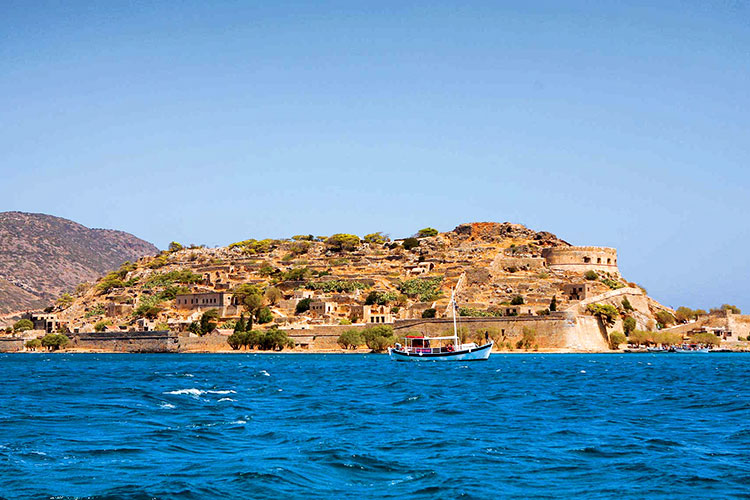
(424, 348)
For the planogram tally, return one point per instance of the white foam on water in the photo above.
(239, 422)
(225, 399)
(583, 371)
(222, 392)
(191, 392)
(166, 406)
(263, 372)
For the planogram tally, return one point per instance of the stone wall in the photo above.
(161, 341)
(556, 331)
(11, 344)
(581, 259)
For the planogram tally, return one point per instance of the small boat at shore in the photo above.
(691, 349)
(424, 348)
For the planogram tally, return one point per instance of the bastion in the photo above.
(581, 259)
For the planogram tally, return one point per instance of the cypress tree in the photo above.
(553, 303)
(240, 326)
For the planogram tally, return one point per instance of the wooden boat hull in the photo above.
(480, 353)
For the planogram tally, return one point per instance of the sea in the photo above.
(248, 425)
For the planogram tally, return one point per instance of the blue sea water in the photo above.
(360, 426)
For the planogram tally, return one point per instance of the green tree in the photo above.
(410, 243)
(606, 313)
(264, 315)
(376, 238)
(705, 338)
(731, 308)
(54, 341)
(628, 324)
(303, 306)
(553, 304)
(147, 310)
(427, 232)
(175, 247)
(273, 295)
(208, 321)
(429, 313)
(65, 301)
(591, 275)
(615, 339)
(235, 340)
(250, 297)
(33, 344)
(274, 339)
(23, 325)
(378, 338)
(684, 314)
(240, 326)
(664, 318)
(517, 300)
(350, 339)
(639, 337)
(667, 338)
(343, 242)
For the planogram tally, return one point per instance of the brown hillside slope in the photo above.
(42, 256)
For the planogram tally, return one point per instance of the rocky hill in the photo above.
(42, 256)
(502, 269)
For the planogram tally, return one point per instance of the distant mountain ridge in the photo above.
(43, 256)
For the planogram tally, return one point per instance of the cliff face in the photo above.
(42, 256)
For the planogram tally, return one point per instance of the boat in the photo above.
(424, 348)
(691, 349)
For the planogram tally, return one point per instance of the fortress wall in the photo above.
(125, 341)
(581, 259)
(11, 344)
(558, 330)
(208, 343)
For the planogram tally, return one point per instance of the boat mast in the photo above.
(453, 306)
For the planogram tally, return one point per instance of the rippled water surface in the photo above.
(333, 426)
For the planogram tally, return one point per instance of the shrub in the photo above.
(235, 340)
(471, 312)
(54, 341)
(628, 324)
(350, 339)
(626, 305)
(100, 326)
(424, 288)
(208, 323)
(183, 276)
(527, 339)
(378, 338)
(429, 313)
(343, 242)
(97, 310)
(379, 297)
(664, 318)
(591, 275)
(303, 306)
(517, 300)
(65, 300)
(109, 282)
(615, 339)
(553, 304)
(23, 325)
(175, 247)
(336, 286)
(264, 316)
(376, 238)
(731, 308)
(410, 243)
(705, 338)
(613, 284)
(33, 344)
(345, 321)
(639, 337)
(161, 327)
(427, 232)
(273, 295)
(667, 338)
(606, 313)
(274, 340)
(297, 274)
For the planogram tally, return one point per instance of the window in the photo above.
(599, 260)
(587, 259)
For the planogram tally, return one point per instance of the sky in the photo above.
(620, 124)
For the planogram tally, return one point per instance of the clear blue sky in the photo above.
(211, 122)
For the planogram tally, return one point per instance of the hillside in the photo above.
(505, 270)
(42, 256)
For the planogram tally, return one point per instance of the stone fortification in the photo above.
(581, 259)
(161, 341)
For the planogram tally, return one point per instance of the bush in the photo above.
(731, 308)
(606, 313)
(705, 338)
(376, 238)
(208, 323)
(33, 344)
(429, 313)
(591, 275)
(615, 339)
(427, 232)
(410, 243)
(65, 301)
(628, 324)
(517, 300)
(613, 284)
(626, 305)
(97, 310)
(302, 306)
(54, 341)
(527, 339)
(100, 326)
(380, 298)
(235, 340)
(664, 318)
(336, 286)
(297, 274)
(378, 338)
(425, 288)
(175, 247)
(553, 304)
(350, 339)
(667, 338)
(274, 340)
(639, 337)
(273, 295)
(343, 242)
(264, 316)
(23, 325)
(183, 276)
